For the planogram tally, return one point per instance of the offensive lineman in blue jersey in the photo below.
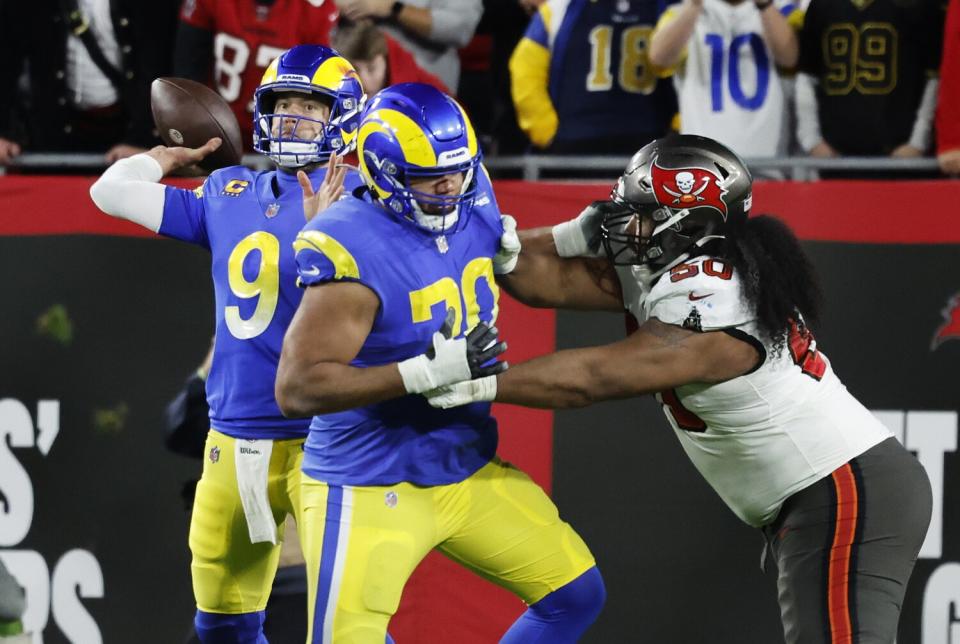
(306, 112)
(581, 81)
(386, 477)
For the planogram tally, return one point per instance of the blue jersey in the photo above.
(416, 276)
(248, 220)
(599, 79)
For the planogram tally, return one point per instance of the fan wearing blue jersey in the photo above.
(581, 81)
(306, 114)
(387, 478)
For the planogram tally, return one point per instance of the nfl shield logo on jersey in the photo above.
(214, 454)
(272, 210)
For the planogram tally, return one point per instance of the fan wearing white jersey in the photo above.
(722, 303)
(726, 58)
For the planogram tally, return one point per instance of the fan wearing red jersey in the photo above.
(228, 44)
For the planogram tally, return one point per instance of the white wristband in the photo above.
(569, 240)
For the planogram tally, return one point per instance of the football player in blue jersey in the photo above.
(307, 111)
(387, 478)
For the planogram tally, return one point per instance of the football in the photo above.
(188, 113)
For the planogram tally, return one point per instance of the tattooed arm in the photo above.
(657, 357)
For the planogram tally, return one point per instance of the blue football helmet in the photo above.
(321, 73)
(414, 131)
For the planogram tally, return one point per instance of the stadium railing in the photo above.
(534, 167)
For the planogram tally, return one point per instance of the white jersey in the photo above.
(728, 85)
(763, 436)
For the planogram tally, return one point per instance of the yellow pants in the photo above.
(362, 543)
(230, 574)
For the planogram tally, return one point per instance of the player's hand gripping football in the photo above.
(450, 360)
(171, 159)
(331, 188)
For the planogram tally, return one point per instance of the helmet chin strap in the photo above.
(439, 223)
(682, 257)
(436, 223)
(294, 154)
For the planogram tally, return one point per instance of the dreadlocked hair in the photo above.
(779, 281)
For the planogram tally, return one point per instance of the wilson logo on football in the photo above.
(950, 329)
(688, 188)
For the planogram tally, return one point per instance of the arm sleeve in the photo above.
(193, 53)
(529, 83)
(454, 21)
(808, 118)
(922, 133)
(948, 107)
(129, 189)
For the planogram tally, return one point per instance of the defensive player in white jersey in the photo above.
(726, 57)
(722, 303)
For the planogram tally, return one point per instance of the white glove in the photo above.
(581, 237)
(463, 393)
(448, 361)
(506, 258)
(448, 365)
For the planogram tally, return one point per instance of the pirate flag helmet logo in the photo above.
(692, 189)
(688, 188)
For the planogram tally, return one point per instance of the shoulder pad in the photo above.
(333, 245)
(232, 181)
(702, 294)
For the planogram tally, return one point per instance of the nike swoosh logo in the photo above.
(310, 272)
(694, 298)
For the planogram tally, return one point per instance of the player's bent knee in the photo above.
(217, 628)
(581, 600)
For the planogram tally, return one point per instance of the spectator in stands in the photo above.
(484, 89)
(431, 30)
(530, 6)
(581, 81)
(83, 68)
(948, 109)
(726, 58)
(228, 44)
(867, 83)
(378, 59)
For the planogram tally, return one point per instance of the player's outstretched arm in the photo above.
(130, 188)
(543, 279)
(656, 358)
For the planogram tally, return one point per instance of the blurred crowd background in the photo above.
(770, 78)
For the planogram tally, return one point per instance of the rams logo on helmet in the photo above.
(414, 131)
